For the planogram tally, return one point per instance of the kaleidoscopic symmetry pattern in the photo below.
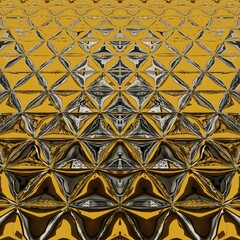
(119, 120)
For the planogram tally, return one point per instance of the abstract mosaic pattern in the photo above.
(119, 120)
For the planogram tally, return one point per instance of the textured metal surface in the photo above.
(119, 120)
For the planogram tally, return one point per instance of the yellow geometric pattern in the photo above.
(119, 120)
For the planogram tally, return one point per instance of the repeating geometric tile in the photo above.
(119, 120)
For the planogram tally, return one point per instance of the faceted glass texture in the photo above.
(119, 120)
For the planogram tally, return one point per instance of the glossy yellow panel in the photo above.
(119, 119)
